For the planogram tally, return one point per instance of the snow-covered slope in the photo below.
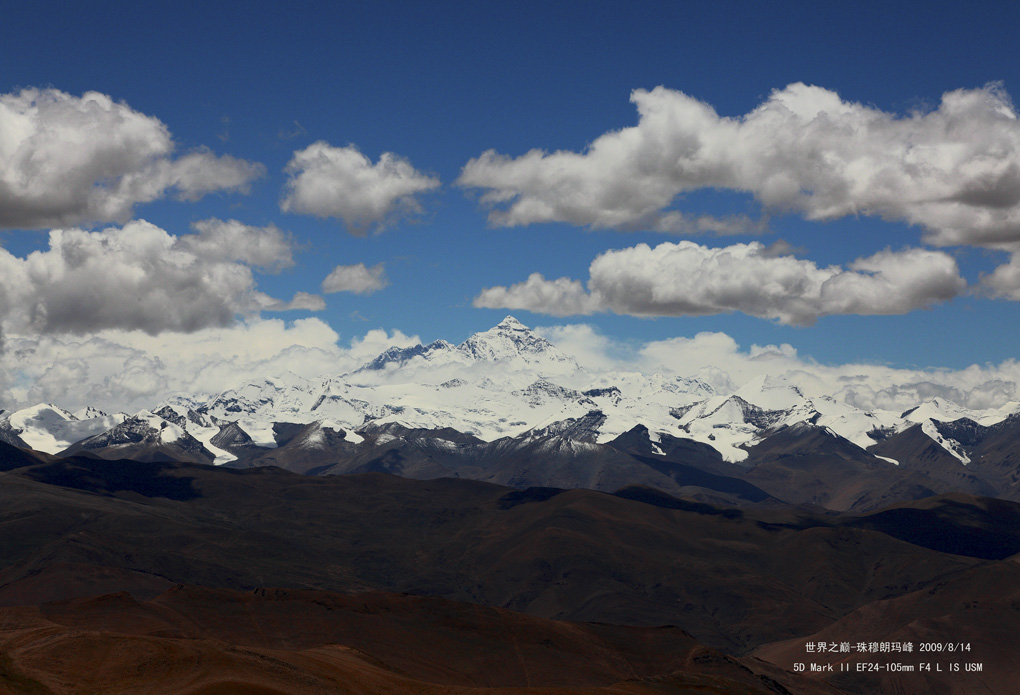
(146, 436)
(939, 410)
(46, 427)
(510, 345)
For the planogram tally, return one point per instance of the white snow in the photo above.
(770, 394)
(260, 431)
(50, 429)
(950, 445)
(353, 437)
(942, 410)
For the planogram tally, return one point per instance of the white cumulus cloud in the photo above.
(357, 278)
(267, 247)
(301, 300)
(342, 183)
(67, 160)
(953, 170)
(139, 277)
(687, 279)
(1004, 281)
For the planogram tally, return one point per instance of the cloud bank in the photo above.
(119, 370)
(67, 160)
(721, 361)
(953, 170)
(342, 183)
(687, 279)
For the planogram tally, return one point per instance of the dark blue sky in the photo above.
(440, 83)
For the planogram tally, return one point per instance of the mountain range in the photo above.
(506, 406)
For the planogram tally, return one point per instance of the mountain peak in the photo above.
(399, 357)
(509, 341)
(511, 324)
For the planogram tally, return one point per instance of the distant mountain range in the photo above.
(506, 406)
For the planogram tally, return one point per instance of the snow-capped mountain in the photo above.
(506, 383)
(510, 344)
(146, 436)
(46, 427)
